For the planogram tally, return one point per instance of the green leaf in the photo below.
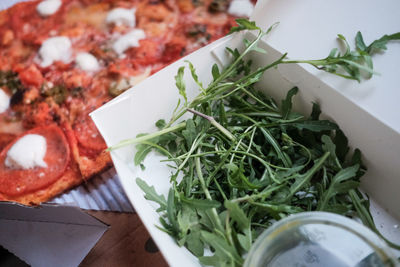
(315, 126)
(341, 37)
(247, 43)
(172, 211)
(151, 194)
(201, 204)
(236, 177)
(215, 71)
(329, 146)
(337, 187)
(187, 219)
(341, 143)
(160, 124)
(194, 75)
(235, 53)
(237, 214)
(194, 243)
(244, 24)
(142, 151)
(245, 241)
(221, 246)
(337, 208)
(190, 132)
(380, 44)
(180, 84)
(206, 219)
(360, 42)
(303, 179)
(316, 112)
(287, 103)
(270, 139)
(213, 261)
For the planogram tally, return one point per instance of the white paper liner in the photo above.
(103, 192)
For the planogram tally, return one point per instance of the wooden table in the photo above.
(125, 243)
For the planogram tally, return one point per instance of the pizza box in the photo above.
(364, 111)
(49, 235)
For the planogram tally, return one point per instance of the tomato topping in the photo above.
(31, 76)
(87, 134)
(174, 49)
(149, 52)
(15, 182)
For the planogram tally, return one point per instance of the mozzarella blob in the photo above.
(87, 62)
(28, 152)
(241, 8)
(48, 7)
(126, 41)
(122, 16)
(4, 101)
(55, 49)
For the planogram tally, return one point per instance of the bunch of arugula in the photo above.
(247, 162)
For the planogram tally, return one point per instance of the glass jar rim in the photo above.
(319, 217)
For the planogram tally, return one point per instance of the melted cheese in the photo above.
(55, 49)
(241, 8)
(87, 62)
(28, 152)
(126, 41)
(122, 16)
(4, 101)
(48, 7)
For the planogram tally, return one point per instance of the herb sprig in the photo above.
(247, 162)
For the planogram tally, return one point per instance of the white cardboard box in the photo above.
(376, 134)
(49, 235)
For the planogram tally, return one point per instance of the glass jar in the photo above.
(312, 239)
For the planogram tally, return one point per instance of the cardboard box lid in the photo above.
(48, 235)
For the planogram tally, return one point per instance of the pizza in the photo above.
(62, 59)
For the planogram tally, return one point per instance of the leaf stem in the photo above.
(215, 123)
(206, 192)
(147, 136)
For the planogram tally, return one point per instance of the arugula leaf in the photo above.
(246, 240)
(316, 111)
(202, 204)
(341, 144)
(151, 194)
(287, 103)
(194, 75)
(237, 215)
(315, 126)
(337, 186)
(215, 72)
(160, 124)
(180, 84)
(244, 24)
(172, 212)
(380, 44)
(222, 247)
(194, 243)
(190, 133)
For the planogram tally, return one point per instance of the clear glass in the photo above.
(312, 239)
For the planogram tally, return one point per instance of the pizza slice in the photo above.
(60, 62)
(37, 166)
